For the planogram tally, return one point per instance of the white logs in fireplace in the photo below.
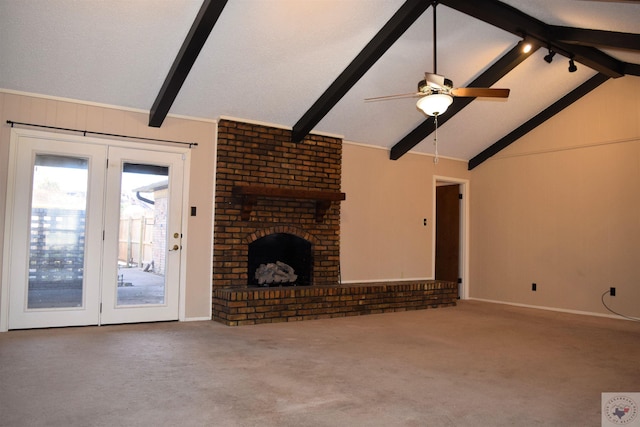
(277, 272)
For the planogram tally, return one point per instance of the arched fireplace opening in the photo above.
(280, 259)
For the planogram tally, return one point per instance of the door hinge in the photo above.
(460, 196)
(459, 279)
(100, 308)
(102, 234)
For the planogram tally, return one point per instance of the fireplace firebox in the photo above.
(280, 259)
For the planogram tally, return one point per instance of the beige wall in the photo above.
(69, 114)
(561, 208)
(382, 231)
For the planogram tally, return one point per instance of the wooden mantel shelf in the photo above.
(250, 194)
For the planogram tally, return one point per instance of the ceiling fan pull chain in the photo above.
(435, 138)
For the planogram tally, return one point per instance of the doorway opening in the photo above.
(451, 234)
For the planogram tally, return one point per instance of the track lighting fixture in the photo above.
(549, 57)
(572, 66)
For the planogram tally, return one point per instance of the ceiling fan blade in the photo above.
(480, 92)
(398, 96)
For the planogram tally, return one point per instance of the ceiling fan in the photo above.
(436, 92)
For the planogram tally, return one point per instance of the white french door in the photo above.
(143, 288)
(94, 232)
(55, 234)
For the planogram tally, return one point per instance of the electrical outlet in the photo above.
(533, 287)
(612, 291)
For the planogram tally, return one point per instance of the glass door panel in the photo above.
(142, 234)
(56, 250)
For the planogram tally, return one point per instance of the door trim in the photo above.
(464, 229)
(8, 230)
(16, 134)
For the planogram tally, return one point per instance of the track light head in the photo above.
(572, 66)
(549, 57)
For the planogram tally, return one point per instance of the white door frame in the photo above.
(16, 135)
(464, 229)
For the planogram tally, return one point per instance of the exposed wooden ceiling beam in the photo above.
(540, 118)
(488, 78)
(632, 69)
(596, 38)
(516, 22)
(200, 29)
(392, 30)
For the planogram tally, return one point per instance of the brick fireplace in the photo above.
(255, 156)
(267, 186)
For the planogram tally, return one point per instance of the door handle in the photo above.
(175, 248)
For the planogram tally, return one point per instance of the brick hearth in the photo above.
(270, 305)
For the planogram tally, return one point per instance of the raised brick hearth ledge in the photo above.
(249, 306)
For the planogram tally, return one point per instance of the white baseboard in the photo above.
(561, 310)
(196, 319)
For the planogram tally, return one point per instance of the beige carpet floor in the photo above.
(477, 364)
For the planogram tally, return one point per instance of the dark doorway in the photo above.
(280, 259)
(448, 233)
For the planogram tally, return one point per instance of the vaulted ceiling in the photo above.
(309, 64)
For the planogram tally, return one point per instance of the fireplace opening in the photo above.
(280, 259)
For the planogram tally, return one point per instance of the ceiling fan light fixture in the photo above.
(572, 66)
(434, 105)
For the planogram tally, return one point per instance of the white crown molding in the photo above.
(377, 147)
(100, 105)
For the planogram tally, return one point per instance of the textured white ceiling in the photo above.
(270, 60)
